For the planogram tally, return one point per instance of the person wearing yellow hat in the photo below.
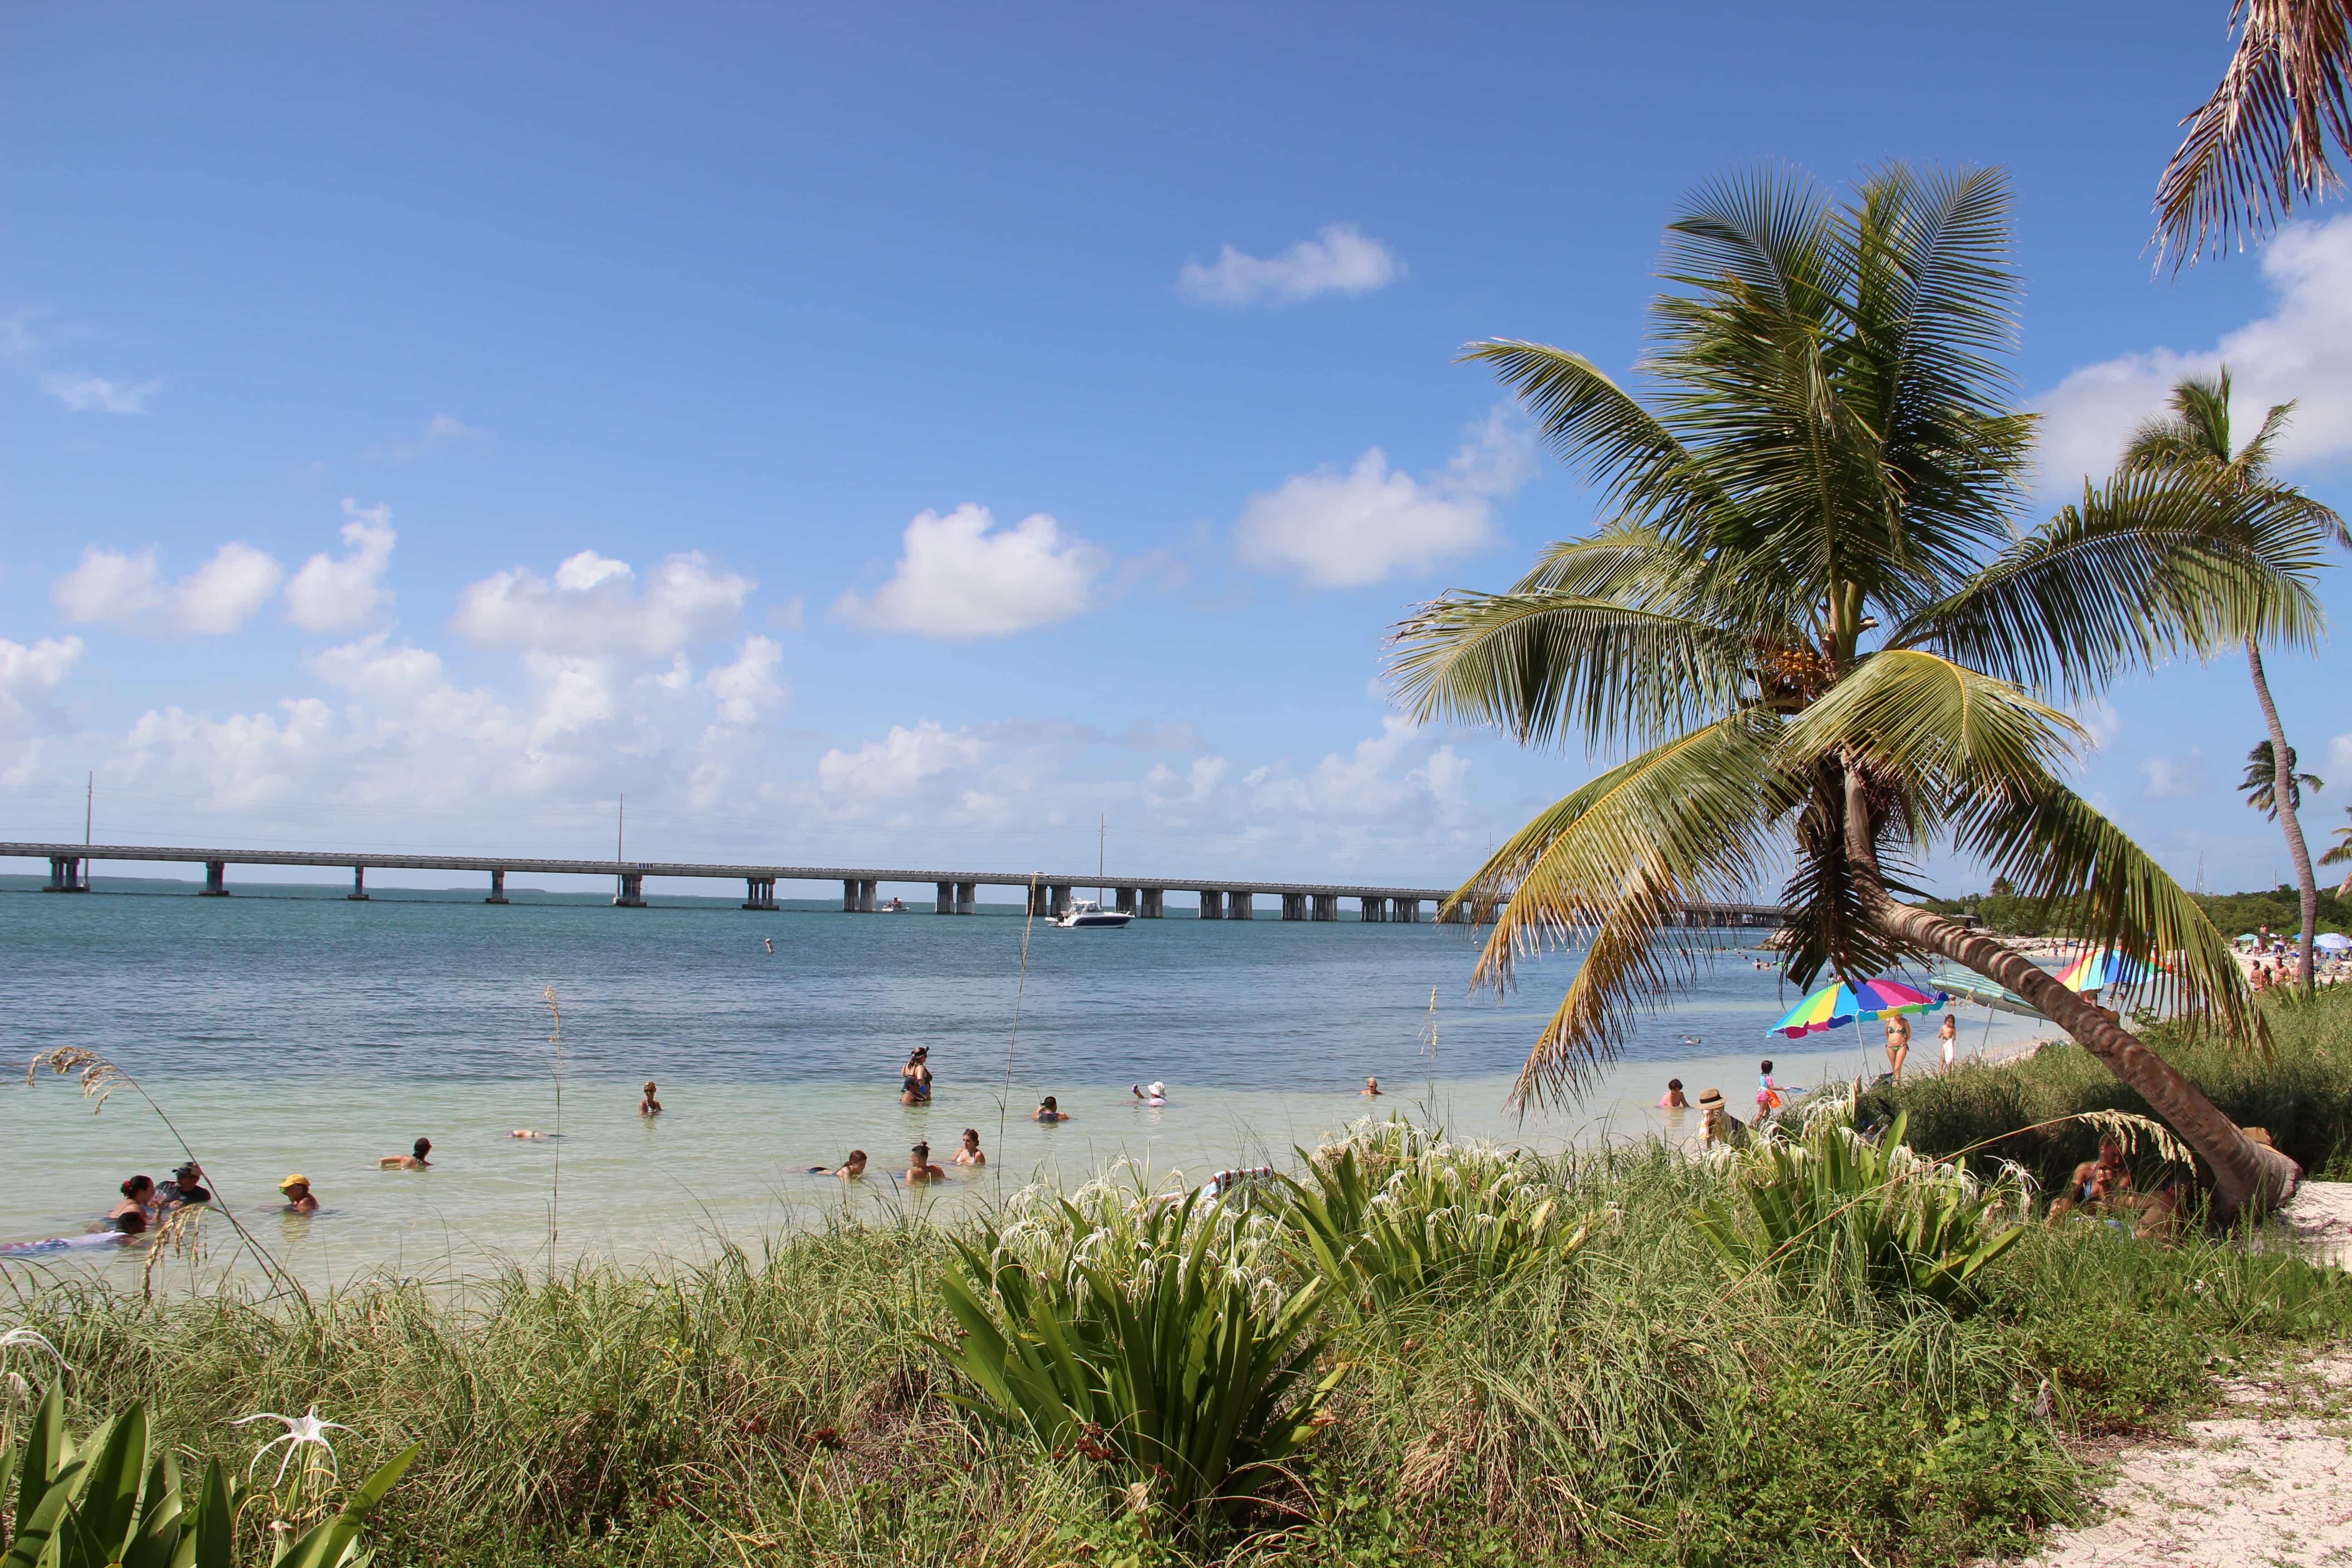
(298, 1197)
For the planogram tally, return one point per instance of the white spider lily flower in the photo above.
(19, 1337)
(302, 1431)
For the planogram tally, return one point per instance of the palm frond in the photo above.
(2151, 566)
(1595, 424)
(2051, 846)
(1932, 729)
(1537, 665)
(1609, 868)
(2261, 143)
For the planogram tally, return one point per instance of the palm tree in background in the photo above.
(1806, 613)
(2341, 855)
(2261, 784)
(2192, 443)
(2261, 142)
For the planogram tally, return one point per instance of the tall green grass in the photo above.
(2301, 1093)
(1608, 1402)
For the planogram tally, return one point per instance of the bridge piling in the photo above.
(66, 876)
(498, 887)
(216, 879)
(1213, 906)
(1239, 908)
(1408, 910)
(631, 895)
(1151, 896)
(760, 893)
(1123, 900)
(1326, 905)
(967, 898)
(1374, 909)
(1293, 906)
(359, 885)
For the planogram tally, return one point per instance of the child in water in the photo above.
(1673, 1099)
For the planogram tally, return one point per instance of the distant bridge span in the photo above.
(957, 892)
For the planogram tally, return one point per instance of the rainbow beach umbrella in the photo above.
(1834, 1006)
(2099, 970)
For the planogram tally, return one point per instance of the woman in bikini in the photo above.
(915, 1078)
(1898, 1043)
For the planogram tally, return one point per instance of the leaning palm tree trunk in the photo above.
(2249, 1180)
(2282, 794)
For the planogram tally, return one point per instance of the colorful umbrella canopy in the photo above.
(1834, 1006)
(1976, 988)
(2334, 942)
(2098, 969)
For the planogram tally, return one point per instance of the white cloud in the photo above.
(2339, 758)
(1363, 786)
(593, 606)
(28, 675)
(331, 595)
(752, 685)
(439, 430)
(961, 577)
(1341, 260)
(1347, 530)
(2301, 350)
(894, 767)
(97, 395)
(2173, 778)
(129, 591)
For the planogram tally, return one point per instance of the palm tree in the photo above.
(2261, 784)
(2340, 855)
(1806, 613)
(2192, 442)
(2260, 143)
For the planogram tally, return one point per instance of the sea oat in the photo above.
(100, 1078)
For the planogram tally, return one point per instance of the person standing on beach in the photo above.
(649, 1106)
(1898, 1043)
(1948, 1035)
(1768, 1093)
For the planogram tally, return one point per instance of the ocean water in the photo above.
(287, 1029)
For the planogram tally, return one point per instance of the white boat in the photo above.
(1087, 912)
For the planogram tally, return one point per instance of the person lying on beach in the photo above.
(970, 1153)
(1371, 1088)
(2095, 1183)
(186, 1186)
(415, 1161)
(1673, 1099)
(920, 1167)
(138, 1197)
(649, 1106)
(299, 1199)
(1049, 1112)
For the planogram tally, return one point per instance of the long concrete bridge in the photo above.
(957, 892)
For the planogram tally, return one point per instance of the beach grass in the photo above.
(2301, 1093)
(1626, 1400)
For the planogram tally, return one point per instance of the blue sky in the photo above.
(422, 425)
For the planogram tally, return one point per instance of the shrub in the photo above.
(1833, 1203)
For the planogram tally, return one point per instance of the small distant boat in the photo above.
(895, 907)
(1087, 912)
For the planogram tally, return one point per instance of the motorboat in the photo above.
(1083, 913)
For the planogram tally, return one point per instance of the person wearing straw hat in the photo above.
(1717, 1124)
(299, 1199)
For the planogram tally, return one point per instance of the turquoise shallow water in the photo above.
(297, 1031)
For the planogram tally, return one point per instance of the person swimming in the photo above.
(920, 1167)
(649, 1106)
(412, 1161)
(299, 1199)
(850, 1169)
(138, 1197)
(185, 1188)
(970, 1153)
(1371, 1087)
(768, 942)
(525, 1132)
(1048, 1110)
(121, 1231)
(1155, 1095)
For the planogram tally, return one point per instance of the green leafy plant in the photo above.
(1833, 1201)
(108, 1500)
(1166, 1357)
(1393, 1214)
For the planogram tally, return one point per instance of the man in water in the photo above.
(299, 1199)
(186, 1186)
(649, 1106)
(1371, 1088)
(415, 1161)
